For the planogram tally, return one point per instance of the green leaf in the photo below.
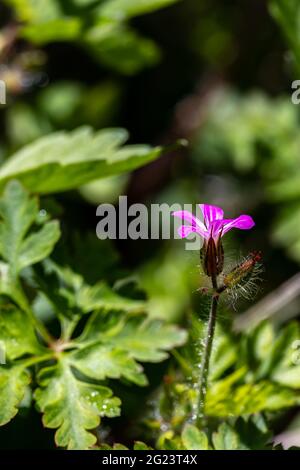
(279, 361)
(60, 286)
(100, 362)
(254, 432)
(285, 359)
(35, 11)
(38, 245)
(226, 438)
(13, 383)
(111, 342)
(67, 160)
(119, 447)
(61, 29)
(101, 296)
(71, 406)
(287, 14)
(25, 124)
(165, 303)
(18, 247)
(83, 3)
(121, 48)
(193, 439)
(44, 21)
(138, 445)
(70, 295)
(17, 335)
(134, 334)
(92, 258)
(116, 9)
(137, 337)
(229, 397)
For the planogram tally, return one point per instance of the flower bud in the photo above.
(212, 257)
(242, 272)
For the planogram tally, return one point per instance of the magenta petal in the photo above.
(216, 228)
(211, 213)
(243, 222)
(185, 230)
(195, 223)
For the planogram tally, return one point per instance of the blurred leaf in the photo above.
(175, 266)
(121, 9)
(45, 21)
(63, 161)
(92, 258)
(61, 29)
(13, 383)
(225, 398)
(285, 360)
(17, 335)
(102, 29)
(248, 129)
(36, 11)
(226, 438)
(138, 445)
(18, 248)
(244, 434)
(84, 3)
(254, 432)
(71, 104)
(101, 296)
(105, 190)
(70, 295)
(286, 230)
(61, 100)
(274, 354)
(24, 124)
(119, 447)
(287, 14)
(121, 48)
(193, 439)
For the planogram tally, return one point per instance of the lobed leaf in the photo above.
(114, 9)
(20, 247)
(112, 342)
(71, 406)
(142, 338)
(228, 397)
(17, 335)
(66, 160)
(193, 439)
(13, 383)
(100, 362)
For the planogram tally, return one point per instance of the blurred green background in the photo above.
(215, 72)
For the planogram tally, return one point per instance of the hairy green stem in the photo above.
(207, 353)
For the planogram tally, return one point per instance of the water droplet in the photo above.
(42, 213)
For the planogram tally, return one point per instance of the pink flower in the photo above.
(214, 226)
